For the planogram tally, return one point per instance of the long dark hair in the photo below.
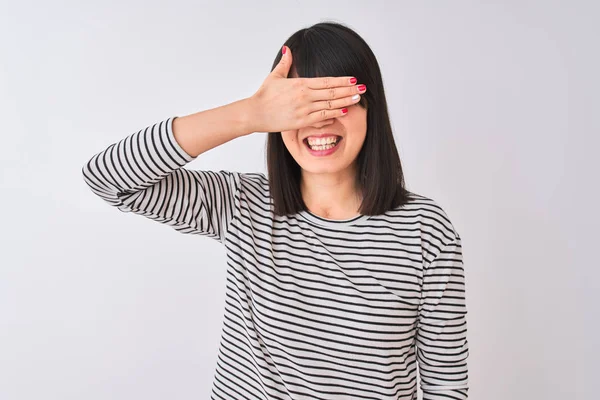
(332, 49)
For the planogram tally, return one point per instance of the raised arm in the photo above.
(143, 173)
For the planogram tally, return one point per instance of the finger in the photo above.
(322, 115)
(334, 93)
(283, 68)
(334, 104)
(327, 82)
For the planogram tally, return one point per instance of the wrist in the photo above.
(247, 115)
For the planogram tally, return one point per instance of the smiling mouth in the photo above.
(323, 146)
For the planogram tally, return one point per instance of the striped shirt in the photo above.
(314, 308)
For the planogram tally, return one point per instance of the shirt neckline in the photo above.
(332, 223)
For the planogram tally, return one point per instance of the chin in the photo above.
(322, 169)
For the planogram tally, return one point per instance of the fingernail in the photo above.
(344, 110)
(362, 88)
(283, 50)
(352, 81)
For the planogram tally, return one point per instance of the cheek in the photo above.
(356, 125)
(289, 138)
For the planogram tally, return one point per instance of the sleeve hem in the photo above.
(181, 152)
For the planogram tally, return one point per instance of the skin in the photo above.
(328, 183)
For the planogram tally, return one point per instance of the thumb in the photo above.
(283, 68)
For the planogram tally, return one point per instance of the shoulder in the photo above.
(433, 221)
(433, 214)
(257, 180)
(256, 177)
(255, 183)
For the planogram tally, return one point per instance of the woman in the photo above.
(340, 281)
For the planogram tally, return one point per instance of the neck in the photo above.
(331, 196)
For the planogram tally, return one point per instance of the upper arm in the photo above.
(144, 173)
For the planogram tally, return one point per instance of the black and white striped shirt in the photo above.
(315, 308)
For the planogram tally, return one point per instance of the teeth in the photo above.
(322, 141)
(323, 147)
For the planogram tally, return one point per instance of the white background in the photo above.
(494, 106)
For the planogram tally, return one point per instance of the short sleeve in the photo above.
(441, 343)
(144, 174)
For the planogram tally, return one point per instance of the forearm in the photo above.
(205, 130)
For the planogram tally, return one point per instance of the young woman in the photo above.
(339, 280)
